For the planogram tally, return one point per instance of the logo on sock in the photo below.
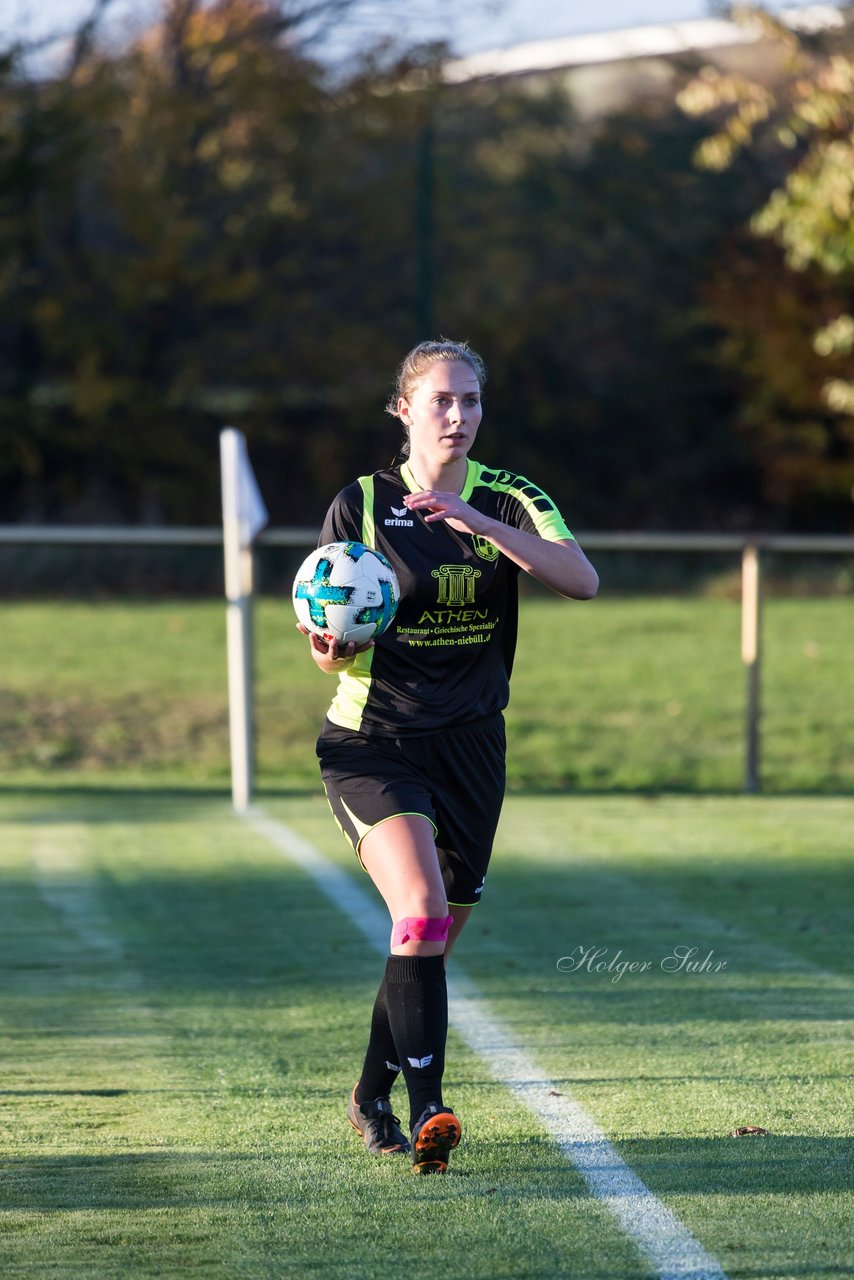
(392, 1066)
(421, 1062)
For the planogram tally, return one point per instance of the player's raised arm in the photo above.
(560, 565)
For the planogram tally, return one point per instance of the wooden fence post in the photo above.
(751, 656)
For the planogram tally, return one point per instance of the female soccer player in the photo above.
(412, 750)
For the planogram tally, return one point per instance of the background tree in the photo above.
(790, 332)
(208, 226)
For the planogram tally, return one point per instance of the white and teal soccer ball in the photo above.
(346, 591)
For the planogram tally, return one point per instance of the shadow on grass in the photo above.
(145, 1180)
(96, 804)
(217, 922)
(229, 929)
(784, 1166)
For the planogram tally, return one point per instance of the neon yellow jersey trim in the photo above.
(335, 816)
(362, 828)
(366, 831)
(408, 478)
(354, 684)
(472, 472)
(368, 528)
(549, 524)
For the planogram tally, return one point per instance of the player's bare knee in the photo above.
(420, 949)
(423, 904)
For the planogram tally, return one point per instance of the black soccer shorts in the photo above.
(455, 779)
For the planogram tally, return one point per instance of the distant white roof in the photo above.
(633, 42)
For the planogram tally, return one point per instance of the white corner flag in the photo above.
(244, 515)
(252, 515)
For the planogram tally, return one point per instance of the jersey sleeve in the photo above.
(344, 518)
(528, 507)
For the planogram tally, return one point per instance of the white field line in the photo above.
(65, 886)
(656, 1232)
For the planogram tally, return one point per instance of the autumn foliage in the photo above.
(209, 227)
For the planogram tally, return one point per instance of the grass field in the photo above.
(634, 695)
(184, 1014)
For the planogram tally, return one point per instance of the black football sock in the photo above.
(381, 1069)
(417, 1001)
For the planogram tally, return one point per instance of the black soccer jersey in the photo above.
(447, 656)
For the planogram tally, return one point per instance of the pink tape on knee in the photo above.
(421, 929)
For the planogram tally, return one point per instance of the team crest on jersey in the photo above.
(484, 548)
(456, 583)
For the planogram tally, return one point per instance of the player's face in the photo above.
(443, 411)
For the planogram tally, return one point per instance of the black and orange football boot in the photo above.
(435, 1134)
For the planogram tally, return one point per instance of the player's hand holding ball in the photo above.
(344, 595)
(331, 655)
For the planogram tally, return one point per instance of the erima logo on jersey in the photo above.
(421, 1062)
(400, 514)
